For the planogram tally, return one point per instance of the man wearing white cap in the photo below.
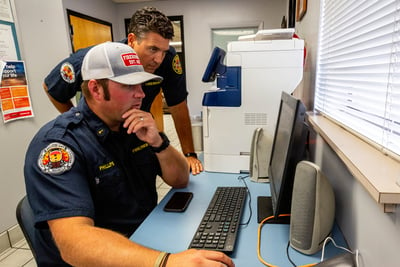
(150, 33)
(90, 173)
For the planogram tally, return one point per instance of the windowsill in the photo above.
(374, 170)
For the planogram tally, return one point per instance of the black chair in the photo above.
(26, 222)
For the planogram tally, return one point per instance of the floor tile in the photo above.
(31, 263)
(161, 193)
(16, 258)
(21, 244)
(4, 242)
(6, 253)
(169, 129)
(15, 234)
(159, 181)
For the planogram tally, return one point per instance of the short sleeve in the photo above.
(65, 79)
(55, 182)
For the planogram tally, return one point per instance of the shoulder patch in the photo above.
(67, 72)
(176, 65)
(56, 158)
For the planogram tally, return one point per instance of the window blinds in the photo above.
(358, 68)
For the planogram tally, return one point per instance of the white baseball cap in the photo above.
(117, 62)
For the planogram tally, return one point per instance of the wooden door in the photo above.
(87, 31)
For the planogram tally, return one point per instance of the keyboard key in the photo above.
(220, 223)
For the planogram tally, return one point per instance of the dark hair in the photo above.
(149, 19)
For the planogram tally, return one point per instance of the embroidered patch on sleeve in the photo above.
(56, 158)
(176, 65)
(67, 72)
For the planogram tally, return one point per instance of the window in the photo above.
(358, 68)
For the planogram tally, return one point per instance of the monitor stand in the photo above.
(264, 210)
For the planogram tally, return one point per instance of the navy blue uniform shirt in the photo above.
(76, 166)
(65, 79)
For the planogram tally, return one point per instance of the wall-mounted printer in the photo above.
(250, 77)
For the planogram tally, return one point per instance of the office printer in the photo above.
(247, 97)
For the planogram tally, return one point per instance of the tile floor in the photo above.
(19, 255)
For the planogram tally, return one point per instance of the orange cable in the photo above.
(259, 242)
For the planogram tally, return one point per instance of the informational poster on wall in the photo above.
(9, 49)
(8, 44)
(5, 11)
(14, 94)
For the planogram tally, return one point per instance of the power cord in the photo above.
(356, 253)
(260, 258)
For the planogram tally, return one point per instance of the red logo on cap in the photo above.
(130, 59)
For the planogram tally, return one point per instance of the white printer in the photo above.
(249, 86)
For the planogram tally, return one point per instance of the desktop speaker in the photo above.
(313, 209)
(260, 153)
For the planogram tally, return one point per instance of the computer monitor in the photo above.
(215, 65)
(288, 149)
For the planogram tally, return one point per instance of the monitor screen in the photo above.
(215, 65)
(288, 149)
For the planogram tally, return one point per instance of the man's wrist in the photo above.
(191, 154)
(164, 144)
(162, 259)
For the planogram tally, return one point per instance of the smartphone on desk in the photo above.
(178, 202)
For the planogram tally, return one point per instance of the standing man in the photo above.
(91, 173)
(150, 32)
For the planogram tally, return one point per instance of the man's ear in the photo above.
(95, 90)
(132, 39)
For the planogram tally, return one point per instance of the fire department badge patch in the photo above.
(56, 158)
(176, 65)
(67, 72)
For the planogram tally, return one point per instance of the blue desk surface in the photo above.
(173, 232)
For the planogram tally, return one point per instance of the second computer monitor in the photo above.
(287, 150)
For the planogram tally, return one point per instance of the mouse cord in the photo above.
(242, 178)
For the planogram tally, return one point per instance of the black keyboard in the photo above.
(219, 226)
